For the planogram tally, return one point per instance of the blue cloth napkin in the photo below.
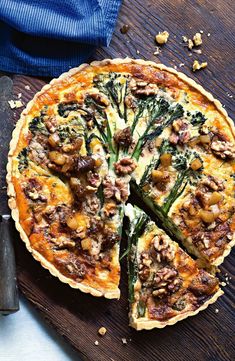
(47, 37)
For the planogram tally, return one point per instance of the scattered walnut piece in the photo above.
(161, 38)
(190, 44)
(124, 29)
(198, 66)
(197, 39)
(15, 104)
(102, 331)
(96, 343)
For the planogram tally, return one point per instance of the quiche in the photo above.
(105, 130)
(165, 283)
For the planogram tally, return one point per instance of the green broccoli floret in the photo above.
(198, 119)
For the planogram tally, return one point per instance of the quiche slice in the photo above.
(185, 173)
(66, 200)
(165, 283)
(193, 197)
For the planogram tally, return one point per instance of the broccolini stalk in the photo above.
(166, 222)
(141, 108)
(163, 106)
(121, 215)
(101, 121)
(141, 308)
(148, 169)
(100, 195)
(165, 147)
(176, 191)
(181, 162)
(175, 113)
(114, 86)
(137, 226)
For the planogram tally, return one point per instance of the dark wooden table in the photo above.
(210, 335)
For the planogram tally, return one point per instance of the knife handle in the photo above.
(9, 298)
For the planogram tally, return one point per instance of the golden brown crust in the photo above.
(14, 141)
(150, 324)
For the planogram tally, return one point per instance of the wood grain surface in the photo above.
(210, 335)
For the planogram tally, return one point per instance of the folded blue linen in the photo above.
(47, 37)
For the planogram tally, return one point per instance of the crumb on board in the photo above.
(197, 51)
(157, 51)
(102, 331)
(124, 341)
(223, 284)
(137, 51)
(201, 31)
(198, 66)
(208, 34)
(181, 64)
(96, 343)
(162, 37)
(15, 104)
(27, 87)
(197, 39)
(216, 310)
(19, 95)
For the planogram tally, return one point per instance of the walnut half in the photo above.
(166, 281)
(164, 250)
(125, 166)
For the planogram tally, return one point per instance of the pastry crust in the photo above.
(150, 324)
(13, 144)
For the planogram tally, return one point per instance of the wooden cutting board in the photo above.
(76, 316)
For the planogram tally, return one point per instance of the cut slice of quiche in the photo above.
(165, 283)
(67, 201)
(194, 190)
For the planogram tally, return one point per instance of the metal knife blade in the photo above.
(9, 299)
